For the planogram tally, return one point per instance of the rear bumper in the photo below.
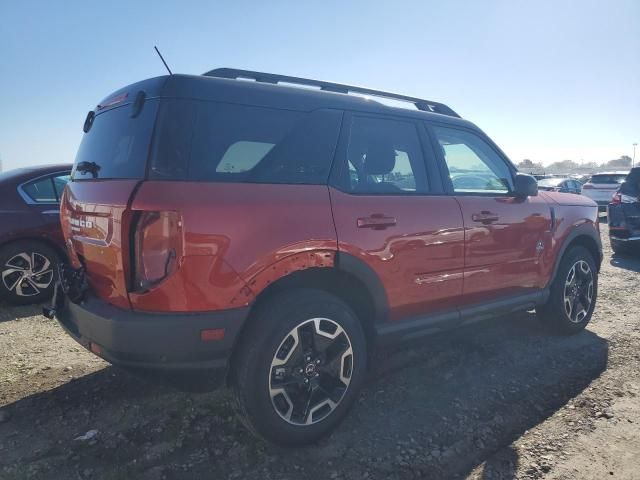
(601, 200)
(624, 222)
(155, 341)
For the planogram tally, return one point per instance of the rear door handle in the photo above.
(377, 221)
(485, 217)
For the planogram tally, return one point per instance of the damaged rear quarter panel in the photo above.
(238, 239)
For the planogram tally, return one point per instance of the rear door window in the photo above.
(41, 191)
(383, 157)
(219, 142)
(117, 145)
(45, 190)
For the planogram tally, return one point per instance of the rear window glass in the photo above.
(631, 185)
(608, 178)
(210, 141)
(117, 145)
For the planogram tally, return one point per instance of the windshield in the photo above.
(116, 145)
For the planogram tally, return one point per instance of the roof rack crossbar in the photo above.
(420, 104)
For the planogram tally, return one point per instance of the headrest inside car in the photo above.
(380, 158)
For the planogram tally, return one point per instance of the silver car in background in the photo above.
(601, 187)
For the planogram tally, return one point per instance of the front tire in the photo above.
(27, 272)
(299, 366)
(573, 293)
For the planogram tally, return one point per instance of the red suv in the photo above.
(277, 234)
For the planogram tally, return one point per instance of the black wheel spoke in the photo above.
(307, 340)
(334, 391)
(574, 306)
(307, 406)
(286, 382)
(335, 350)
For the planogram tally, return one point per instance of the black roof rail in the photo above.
(420, 104)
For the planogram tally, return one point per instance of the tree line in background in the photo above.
(569, 166)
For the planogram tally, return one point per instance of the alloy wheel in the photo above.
(310, 371)
(27, 274)
(578, 291)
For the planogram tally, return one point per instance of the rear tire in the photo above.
(573, 293)
(299, 366)
(27, 272)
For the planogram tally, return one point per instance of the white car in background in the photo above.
(601, 187)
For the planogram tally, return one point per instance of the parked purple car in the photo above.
(31, 242)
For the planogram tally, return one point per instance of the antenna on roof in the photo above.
(162, 58)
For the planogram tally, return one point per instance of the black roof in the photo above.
(277, 79)
(223, 86)
(289, 97)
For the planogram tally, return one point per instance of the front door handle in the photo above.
(485, 217)
(377, 221)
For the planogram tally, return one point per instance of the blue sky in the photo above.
(547, 80)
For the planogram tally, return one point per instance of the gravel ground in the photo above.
(500, 400)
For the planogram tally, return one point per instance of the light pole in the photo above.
(633, 160)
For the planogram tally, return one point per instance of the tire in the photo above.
(270, 355)
(27, 272)
(561, 312)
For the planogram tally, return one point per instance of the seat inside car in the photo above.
(380, 160)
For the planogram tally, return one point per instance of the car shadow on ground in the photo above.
(626, 262)
(11, 312)
(437, 407)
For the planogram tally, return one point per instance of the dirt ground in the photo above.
(500, 400)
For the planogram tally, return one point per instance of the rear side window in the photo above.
(219, 142)
(117, 145)
(45, 190)
(41, 191)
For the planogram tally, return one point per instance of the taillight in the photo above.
(616, 199)
(156, 245)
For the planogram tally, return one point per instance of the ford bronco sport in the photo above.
(277, 234)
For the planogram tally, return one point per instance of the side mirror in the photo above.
(525, 186)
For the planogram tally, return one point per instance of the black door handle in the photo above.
(485, 217)
(377, 221)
